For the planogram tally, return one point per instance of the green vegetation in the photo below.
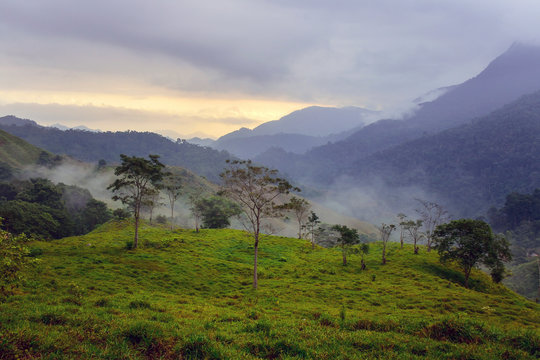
(39, 207)
(188, 295)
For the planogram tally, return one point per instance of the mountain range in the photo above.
(366, 154)
(296, 132)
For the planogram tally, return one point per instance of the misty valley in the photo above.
(331, 233)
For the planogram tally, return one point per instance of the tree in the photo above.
(138, 179)
(348, 237)
(13, 259)
(151, 201)
(470, 243)
(401, 218)
(172, 186)
(193, 200)
(413, 229)
(216, 211)
(94, 214)
(256, 189)
(432, 215)
(299, 207)
(363, 249)
(385, 231)
(312, 226)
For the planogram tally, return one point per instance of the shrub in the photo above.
(139, 304)
(161, 219)
(199, 347)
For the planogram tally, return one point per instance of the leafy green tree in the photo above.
(470, 243)
(95, 213)
(348, 237)
(385, 231)
(363, 249)
(138, 179)
(42, 191)
(216, 211)
(299, 207)
(13, 259)
(30, 218)
(256, 189)
(312, 225)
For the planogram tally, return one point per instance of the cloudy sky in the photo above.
(209, 67)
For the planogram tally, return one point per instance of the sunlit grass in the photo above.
(188, 295)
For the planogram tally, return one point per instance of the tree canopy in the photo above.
(470, 243)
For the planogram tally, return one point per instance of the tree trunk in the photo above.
(428, 244)
(363, 264)
(467, 274)
(344, 253)
(172, 216)
(299, 230)
(255, 280)
(136, 239)
(384, 254)
(401, 238)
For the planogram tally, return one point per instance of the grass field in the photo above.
(187, 295)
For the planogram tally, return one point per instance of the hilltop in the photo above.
(189, 295)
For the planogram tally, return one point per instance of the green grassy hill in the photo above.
(187, 295)
(16, 152)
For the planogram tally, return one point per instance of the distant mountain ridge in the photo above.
(511, 75)
(92, 147)
(296, 132)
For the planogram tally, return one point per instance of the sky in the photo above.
(204, 68)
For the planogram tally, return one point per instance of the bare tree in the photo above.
(385, 231)
(194, 198)
(172, 186)
(256, 189)
(401, 217)
(413, 229)
(432, 215)
(299, 207)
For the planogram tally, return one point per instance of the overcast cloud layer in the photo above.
(212, 66)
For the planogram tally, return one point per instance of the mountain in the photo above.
(469, 167)
(296, 132)
(187, 295)
(92, 147)
(509, 76)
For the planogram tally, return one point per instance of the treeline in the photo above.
(91, 147)
(39, 207)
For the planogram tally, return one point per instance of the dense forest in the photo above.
(92, 147)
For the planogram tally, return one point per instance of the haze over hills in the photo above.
(298, 131)
(93, 146)
(512, 74)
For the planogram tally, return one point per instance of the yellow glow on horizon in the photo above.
(209, 111)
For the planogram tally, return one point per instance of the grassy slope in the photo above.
(16, 152)
(188, 295)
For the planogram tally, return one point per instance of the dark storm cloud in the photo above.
(347, 52)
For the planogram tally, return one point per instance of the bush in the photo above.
(121, 214)
(199, 347)
(161, 219)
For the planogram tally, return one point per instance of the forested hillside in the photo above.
(513, 74)
(92, 147)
